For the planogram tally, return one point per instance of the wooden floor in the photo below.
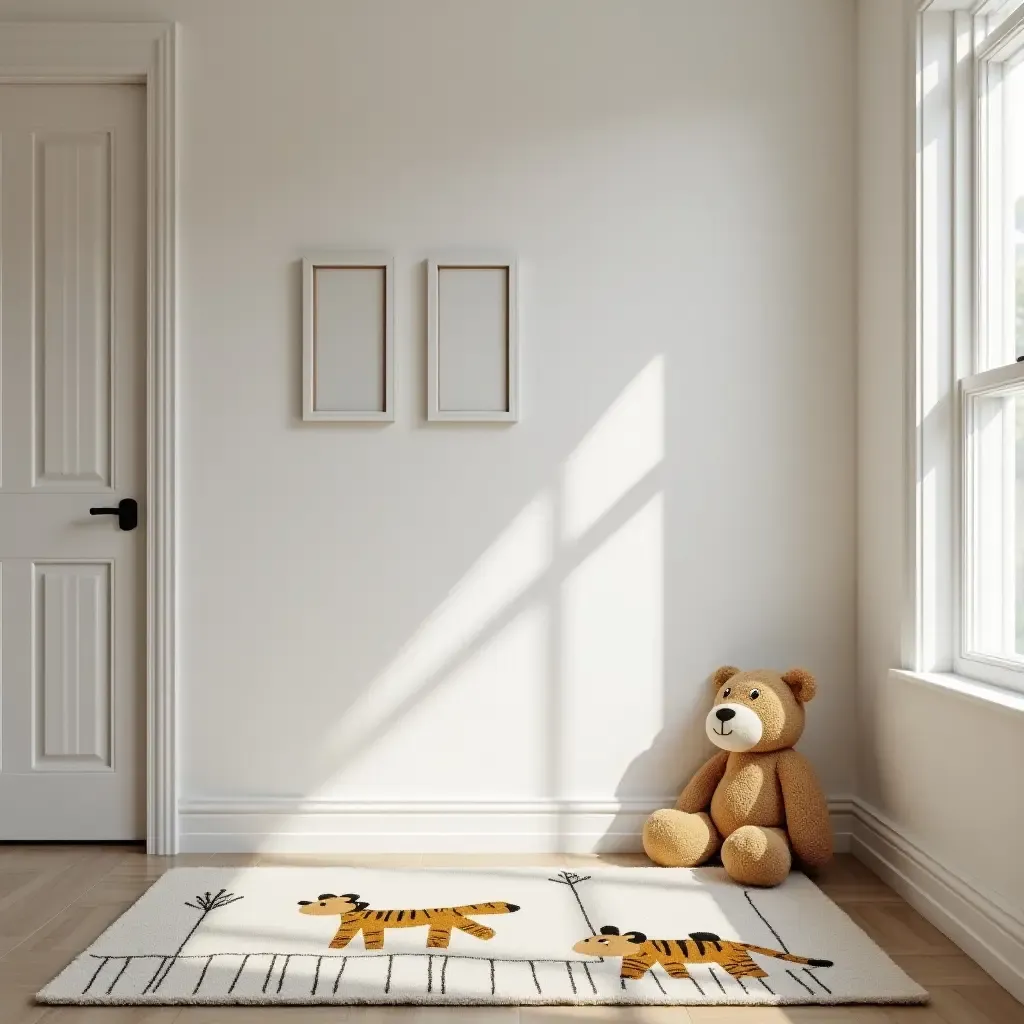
(54, 900)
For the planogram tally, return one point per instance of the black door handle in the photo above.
(127, 513)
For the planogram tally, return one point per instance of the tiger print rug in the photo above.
(515, 936)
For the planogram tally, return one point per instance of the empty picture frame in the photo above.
(348, 367)
(473, 339)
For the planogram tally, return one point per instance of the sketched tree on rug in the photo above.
(571, 879)
(206, 903)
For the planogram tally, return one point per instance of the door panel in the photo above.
(72, 433)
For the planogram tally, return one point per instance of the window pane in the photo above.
(1018, 257)
(996, 525)
(1014, 198)
(1018, 531)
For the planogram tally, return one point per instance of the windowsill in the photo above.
(984, 693)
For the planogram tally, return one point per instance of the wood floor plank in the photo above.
(933, 972)
(493, 860)
(845, 878)
(31, 906)
(377, 860)
(977, 1004)
(899, 929)
(628, 860)
(606, 1015)
(111, 1015)
(346, 1015)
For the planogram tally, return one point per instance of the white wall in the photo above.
(941, 811)
(515, 615)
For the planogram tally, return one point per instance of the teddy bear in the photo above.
(757, 801)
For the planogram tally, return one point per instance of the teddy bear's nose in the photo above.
(724, 714)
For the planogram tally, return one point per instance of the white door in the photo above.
(72, 437)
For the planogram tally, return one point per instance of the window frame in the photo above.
(981, 491)
(961, 49)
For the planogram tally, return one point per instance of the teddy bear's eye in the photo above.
(755, 693)
(726, 692)
(603, 942)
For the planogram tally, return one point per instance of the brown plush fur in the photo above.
(761, 805)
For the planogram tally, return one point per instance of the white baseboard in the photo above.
(509, 826)
(981, 924)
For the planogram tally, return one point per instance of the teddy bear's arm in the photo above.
(701, 788)
(807, 822)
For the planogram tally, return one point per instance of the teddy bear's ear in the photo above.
(723, 674)
(802, 683)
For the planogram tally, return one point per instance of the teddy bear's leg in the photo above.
(676, 839)
(757, 856)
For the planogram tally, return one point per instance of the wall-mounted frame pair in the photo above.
(348, 338)
(348, 365)
(473, 339)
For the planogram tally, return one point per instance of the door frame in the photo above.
(134, 52)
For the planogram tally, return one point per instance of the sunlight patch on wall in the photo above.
(613, 655)
(619, 451)
(514, 561)
(480, 734)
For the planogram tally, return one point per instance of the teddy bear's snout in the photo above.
(734, 726)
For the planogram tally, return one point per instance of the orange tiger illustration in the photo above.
(356, 916)
(639, 953)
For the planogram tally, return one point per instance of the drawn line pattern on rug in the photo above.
(800, 982)
(106, 960)
(816, 979)
(586, 969)
(785, 948)
(127, 961)
(268, 976)
(207, 902)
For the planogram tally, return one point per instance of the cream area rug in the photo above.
(514, 936)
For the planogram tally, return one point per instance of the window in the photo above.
(991, 422)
